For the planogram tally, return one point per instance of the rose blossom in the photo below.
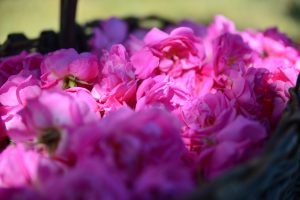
(18, 166)
(205, 116)
(14, 94)
(51, 124)
(3, 136)
(66, 68)
(18, 88)
(231, 52)
(279, 45)
(84, 97)
(196, 83)
(160, 91)
(24, 193)
(132, 141)
(89, 180)
(143, 122)
(242, 91)
(199, 30)
(14, 64)
(168, 53)
(238, 141)
(276, 52)
(218, 27)
(117, 84)
(165, 181)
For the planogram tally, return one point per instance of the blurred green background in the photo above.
(32, 16)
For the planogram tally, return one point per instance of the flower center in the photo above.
(230, 60)
(209, 141)
(71, 81)
(50, 138)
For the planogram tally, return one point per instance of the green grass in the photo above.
(32, 16)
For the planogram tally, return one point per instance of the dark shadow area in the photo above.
(294, 9)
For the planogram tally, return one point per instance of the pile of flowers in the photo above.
(149, 114)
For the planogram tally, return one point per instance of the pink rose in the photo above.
(254, 39)
(219, 26)
(272, 44)
(231, 52)
(204, 117)
(242, 91)
(89, 179)
(279, 45)
(84, 97)
(50, 124)
(195, 83)
(14, 94)
(85, 140)
(237, 142)
(144, 63)
(160, 91)
(18, 88)
(117, 82)
(164, 181)
(14, 64)
(4, 140)
(66, 68)
(25, 193)
(18, 166)
(280, 69)
(132, 141)
(199, 30)
(168, 53)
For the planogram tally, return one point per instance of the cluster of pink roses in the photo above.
(143, 119)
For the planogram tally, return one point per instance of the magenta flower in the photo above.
(14, 94)
(132, 141)
(231, 52)
(89, 180)
(281, 69)
(18, 88)
(271, 93)
(199, 30)
(272, 44)
(111, 31)
(164, 181)
(279, 45)
(85, 141)
(238, 141)
(84, 97)
(219, 26)
(168, 53)
(204, 117)
(254, 39)
(242, 91)
(144, 63)
(145, 118)
(14, 64)
(66, 68)
(50, 124)
(18, 166)
(3, 136)
(20, 193)
(278, 36)
(117, 84)
(196, 83)
(160, 91)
